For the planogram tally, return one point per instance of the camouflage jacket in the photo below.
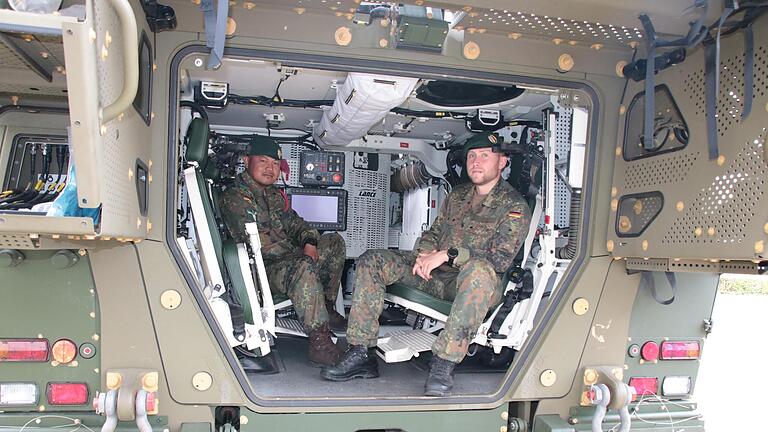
(496, 233)
(282, 231)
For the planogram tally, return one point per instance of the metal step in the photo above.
(289, 326)
(403, 345)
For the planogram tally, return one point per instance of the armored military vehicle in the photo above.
(124, 303)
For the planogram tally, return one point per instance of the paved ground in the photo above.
(733, 378)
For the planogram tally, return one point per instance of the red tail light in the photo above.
(680, 350)
(644, 386)
(650, 351)
(67, 393)
(35, 350)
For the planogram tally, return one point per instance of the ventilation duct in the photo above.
(361, 102)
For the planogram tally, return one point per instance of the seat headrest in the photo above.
(211, 171)
(197, 141)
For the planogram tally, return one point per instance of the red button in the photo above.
(337, 178)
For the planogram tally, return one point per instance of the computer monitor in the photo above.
(323, 209)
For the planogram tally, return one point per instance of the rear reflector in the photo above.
(18, 394)
(680, 350)
(64, 351)
(35, 350)
(644, 386)
(676, 386)
(67, 393)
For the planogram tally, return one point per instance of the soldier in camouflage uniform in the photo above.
(299, 262)
(474, 239)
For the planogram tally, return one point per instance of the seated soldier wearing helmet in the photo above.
(299, 261)
(473, 240)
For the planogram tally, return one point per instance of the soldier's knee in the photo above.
(306, 266)
(478, 267)
(335, 243)
(370, 258)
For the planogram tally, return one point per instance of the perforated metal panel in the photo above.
(551, 26)
(16, 241)
(731, 94)
(125, 140)
(367, 216)
(562, 149)
(713, 209)
(665, 169)
(291, 154)
(721, 212)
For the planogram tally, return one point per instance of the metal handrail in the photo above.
(130, 41)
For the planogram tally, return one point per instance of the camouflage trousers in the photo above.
(308, 283)
(473, 289)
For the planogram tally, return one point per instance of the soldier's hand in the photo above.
(311, 251)
(425, 263)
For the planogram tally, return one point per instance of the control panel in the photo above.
(320, 168)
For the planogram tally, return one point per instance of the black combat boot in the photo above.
(440, 379)
(337, 322)
(357, 362)
(322, 350)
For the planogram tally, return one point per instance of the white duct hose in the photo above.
(361, 102)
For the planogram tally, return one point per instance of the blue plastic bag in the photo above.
(66, 203)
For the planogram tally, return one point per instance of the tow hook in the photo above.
(607, 391)
(106, 404)
(131, 397)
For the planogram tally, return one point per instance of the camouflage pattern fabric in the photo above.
(283, 234)
(488, 239)
(281, 230)
(495, 233)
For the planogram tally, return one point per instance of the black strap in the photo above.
(511, 298)
(749, 69)
(710, 91)
(650, 70)
(646, 279)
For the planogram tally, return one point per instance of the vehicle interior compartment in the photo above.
(372, 156)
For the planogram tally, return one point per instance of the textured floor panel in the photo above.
(300, 379)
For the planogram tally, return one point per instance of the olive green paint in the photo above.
(445, 421)
(37, 299)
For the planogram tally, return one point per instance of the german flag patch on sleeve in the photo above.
(515, 215)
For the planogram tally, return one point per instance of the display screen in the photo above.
(314, 208)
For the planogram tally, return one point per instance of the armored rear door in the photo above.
(679, 204)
